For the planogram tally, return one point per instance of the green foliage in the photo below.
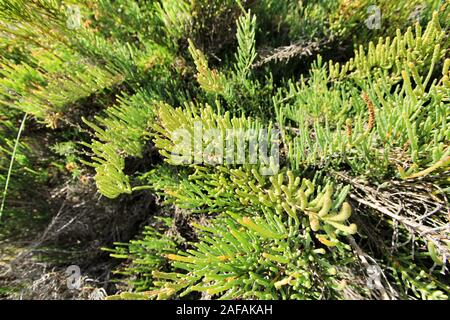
(373, 113)
(175, 15)
(423, 49)
(126, 20)
(125, 131)
(147, 253)
(241, 257)
(74, 63)
(8, 138)
(298, 29)
(415, 281)
(47, 91)
(244, 188)
(341, 115)
(163, 86)
(11, 164)
(237, 86)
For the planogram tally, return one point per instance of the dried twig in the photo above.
(285, 53)
(413, 205)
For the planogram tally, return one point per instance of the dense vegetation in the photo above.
(352, 202)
